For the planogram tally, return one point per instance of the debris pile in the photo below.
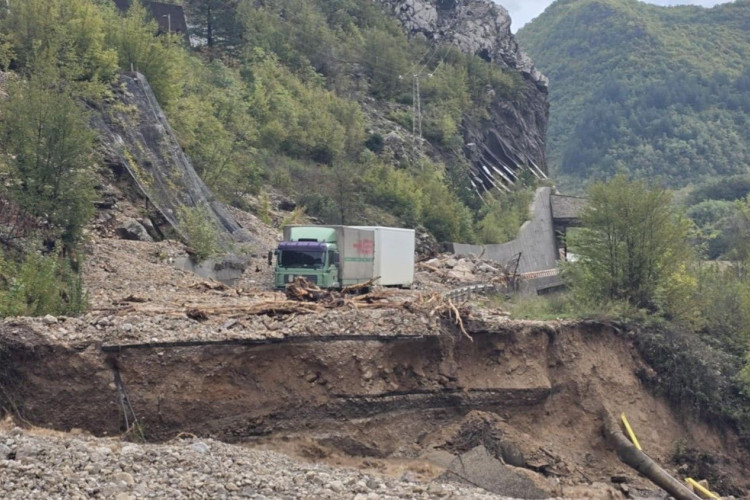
(453, 270)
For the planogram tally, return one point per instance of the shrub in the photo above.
(200, 231)
(39, 285)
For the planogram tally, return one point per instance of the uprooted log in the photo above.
(447, 308)
(303, 289)
(641, 462)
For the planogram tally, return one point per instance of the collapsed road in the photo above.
(389, 384)
(538, 390)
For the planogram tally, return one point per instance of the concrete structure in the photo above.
(540, 242)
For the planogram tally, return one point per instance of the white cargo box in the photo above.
(394, 255)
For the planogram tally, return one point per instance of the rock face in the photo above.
(136, 136)
(513, 136)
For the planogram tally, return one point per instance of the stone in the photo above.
(49, 320)
(131, 229)
(336, 486)
(483, 267)
(436, 490)
(200, 447)
(124, 477)
(512, 454)
(130, 449)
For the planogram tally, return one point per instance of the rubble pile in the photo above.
(453, 271)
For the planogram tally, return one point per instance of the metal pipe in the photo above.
(641, 462)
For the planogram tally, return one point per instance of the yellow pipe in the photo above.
(701, 489)
(630, 432)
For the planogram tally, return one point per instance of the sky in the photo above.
(523, 11)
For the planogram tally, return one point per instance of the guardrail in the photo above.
(540, 274)
(467, 291)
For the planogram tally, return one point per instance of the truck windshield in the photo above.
(301, 258)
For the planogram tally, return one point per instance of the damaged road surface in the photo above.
(524, 397)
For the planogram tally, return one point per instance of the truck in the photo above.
(339, 256)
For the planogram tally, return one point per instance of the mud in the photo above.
(530, 394)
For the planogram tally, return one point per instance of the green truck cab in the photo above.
(312, 254)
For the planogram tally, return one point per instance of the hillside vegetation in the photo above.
(295, 95)
(660, 93)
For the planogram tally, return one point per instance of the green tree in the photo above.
(49, 144)
(68, 33)
(632, 247)
(215, 21)
(160, 59)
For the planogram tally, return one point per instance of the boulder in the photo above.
(131, 229)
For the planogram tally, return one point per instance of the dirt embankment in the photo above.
(533, 392)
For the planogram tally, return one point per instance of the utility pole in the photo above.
(169, 23)
(416, 122)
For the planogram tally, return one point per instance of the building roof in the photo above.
(566, 207)
(169, 17)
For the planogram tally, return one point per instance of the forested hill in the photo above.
(394, 112)
(660, 92)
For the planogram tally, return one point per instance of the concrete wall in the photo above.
(535, 241)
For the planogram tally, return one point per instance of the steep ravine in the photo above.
(539, 386)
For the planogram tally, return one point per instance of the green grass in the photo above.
(564, 305)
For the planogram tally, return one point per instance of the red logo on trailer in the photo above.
(365, 247)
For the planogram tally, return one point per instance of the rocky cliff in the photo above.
(513, 136)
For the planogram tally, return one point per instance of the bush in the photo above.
(502, 216)
(696, 377)
(375, 143)
(200, 231)
(40, 285)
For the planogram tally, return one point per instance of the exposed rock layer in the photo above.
(513, 136)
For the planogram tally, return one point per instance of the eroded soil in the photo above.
(393, 389)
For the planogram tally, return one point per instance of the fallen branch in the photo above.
(206, 285)
(132, 298)
(459, 321)
(359, 287)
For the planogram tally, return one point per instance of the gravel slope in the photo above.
(42, 464)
